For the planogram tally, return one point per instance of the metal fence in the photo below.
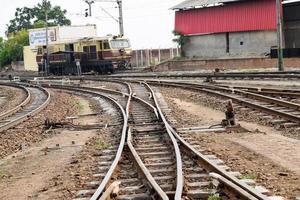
(150, 57)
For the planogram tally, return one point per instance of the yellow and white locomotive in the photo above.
(93, 55)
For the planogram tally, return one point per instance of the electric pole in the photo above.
(47, 39)
(121, 25)
(279, 36)
(120, 7)
(90, 7)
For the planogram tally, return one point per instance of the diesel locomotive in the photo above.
(83, 56)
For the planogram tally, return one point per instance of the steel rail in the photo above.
(263, 89)
(179, 179)
(22, 118)
(267, 91)
(18, 107)
(251, 193)
(212, 75)
(230, 181)
(113, 167)
(105, 182)
(146, 173)
(291, 117)
(128, 95)
(249, 95)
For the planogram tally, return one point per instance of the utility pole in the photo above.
(279, 36)
(121, 25)
(47, 39)
(120, 7)
(90, 7)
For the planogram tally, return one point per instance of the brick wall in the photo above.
(237, 63)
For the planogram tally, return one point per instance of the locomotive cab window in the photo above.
(69, 47)
(40, 51)
(91, 51)
(120, 44)
(106, 45)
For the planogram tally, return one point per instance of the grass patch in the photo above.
(214, 197)
(100, 145)
(248, 176)
(78, 106)
(2, 174)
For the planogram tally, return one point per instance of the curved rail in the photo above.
(232, 182)
(146, 172)
(14, 121)
(101, 190)
(211, 90)
(179, 181)
(18, 107)
(113, 167)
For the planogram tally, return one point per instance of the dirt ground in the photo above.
(10, 97)
(32, 130)
(25, 174)
(263, 154)
(79, 171)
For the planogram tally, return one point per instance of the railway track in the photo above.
(153, 161)
(120, 163)
(280, 111)
(289, 94)
(18, 107)
(37, 99)
(293, 75)
(196, 166)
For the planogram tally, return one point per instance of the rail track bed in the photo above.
(148, 159)
(37, 99)
(278, 111)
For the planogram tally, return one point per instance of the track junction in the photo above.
(148, 158)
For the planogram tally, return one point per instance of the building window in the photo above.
(242, 43)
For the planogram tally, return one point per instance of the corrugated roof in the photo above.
(189, 4)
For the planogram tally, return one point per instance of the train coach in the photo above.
(87, 55)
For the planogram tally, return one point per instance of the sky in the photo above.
(147, 23)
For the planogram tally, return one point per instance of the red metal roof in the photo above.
(236, 17)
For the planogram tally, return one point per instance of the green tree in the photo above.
(12, 49)
(181, 40)
(1, 44)
(26, 18)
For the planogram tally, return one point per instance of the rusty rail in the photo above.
(179, 179)
(291, 117)
(18, 107)
(22, 118)
(244, 190)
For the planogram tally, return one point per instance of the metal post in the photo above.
(137, 58)
(121, 25)
(90, 6)
(90, 9)
(279, 36)
(151, 57)
(142, 58)
(158, 55)
(47, 39)
(148, 57)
